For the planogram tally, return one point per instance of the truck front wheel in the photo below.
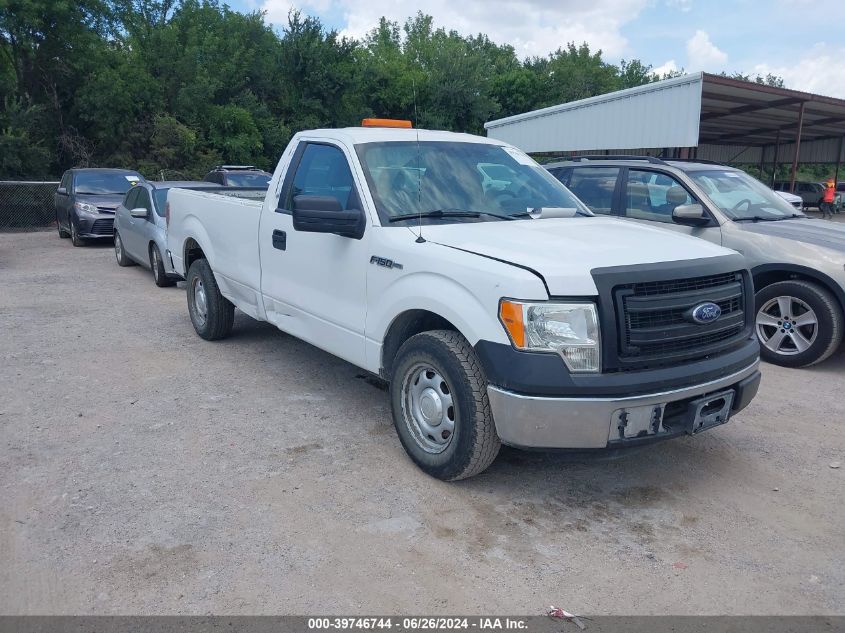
(211, 313)
(438, 394)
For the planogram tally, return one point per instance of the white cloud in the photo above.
(820, 71)
(681, 5)
(702, 54)
(277, 10)
(668, 67)
(532, 27)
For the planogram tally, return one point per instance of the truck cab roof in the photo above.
(356, 135)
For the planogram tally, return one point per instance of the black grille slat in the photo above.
(654, 323)
(683, 285)
(103, 226)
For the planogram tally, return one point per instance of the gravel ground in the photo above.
(143, 470)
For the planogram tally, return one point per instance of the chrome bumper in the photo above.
(582, 423)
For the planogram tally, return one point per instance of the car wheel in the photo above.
(62, 233)
(438, 395)
(157, 266)
(798, 323)
(211, 313)
(74, 234)
(120, 253)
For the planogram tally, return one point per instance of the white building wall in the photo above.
(662, 114)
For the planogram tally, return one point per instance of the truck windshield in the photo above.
(458, 181)
(741, 197)
(102, 183)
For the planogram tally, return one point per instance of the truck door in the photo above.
(314, 284)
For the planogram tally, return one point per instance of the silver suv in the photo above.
(798, 263)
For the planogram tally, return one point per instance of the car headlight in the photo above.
(86, 207)
(568, 329)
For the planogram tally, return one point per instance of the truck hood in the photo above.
(816, 232)
(563, 251)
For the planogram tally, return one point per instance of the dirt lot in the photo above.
(143, 470)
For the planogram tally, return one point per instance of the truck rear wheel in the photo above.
(211, 313)
(438, 395)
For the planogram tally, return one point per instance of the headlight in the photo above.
(569, 329)
(86, 208)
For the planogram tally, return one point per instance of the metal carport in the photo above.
(699, 115)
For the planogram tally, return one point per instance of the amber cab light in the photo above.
(386, 123)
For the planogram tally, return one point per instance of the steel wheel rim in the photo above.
(428, 408)
(200, 301)
(787, 325)
(118, 247)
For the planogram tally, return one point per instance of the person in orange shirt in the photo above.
(826, 206)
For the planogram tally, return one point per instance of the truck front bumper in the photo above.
(526, 421)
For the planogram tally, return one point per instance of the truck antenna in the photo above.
(420, 239)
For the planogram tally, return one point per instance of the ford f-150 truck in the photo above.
(499, 308)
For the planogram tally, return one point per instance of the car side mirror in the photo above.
(690, 215)
(323, 214)
(139, 212)
(62, 191)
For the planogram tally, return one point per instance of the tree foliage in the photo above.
(172, 87)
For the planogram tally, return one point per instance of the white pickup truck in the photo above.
(499, 309)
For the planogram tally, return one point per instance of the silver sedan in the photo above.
(140, 229)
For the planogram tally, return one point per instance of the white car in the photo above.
(511, 315)
(791, 198)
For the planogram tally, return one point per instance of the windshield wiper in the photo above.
(447, 213)
(526, 214)
(760, 218)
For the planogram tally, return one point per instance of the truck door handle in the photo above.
(280, 240)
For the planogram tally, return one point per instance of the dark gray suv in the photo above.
(86, 200)
(798, 263)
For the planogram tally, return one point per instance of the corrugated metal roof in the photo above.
(727, 119)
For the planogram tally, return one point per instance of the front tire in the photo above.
(75, 239)
(62, 233)
(211, 313)
(120, 252)
(438, 395)
(157, 266)
(798, 323)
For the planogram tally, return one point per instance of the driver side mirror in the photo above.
(138, 212)
(62, 191)
(323, 214)
(690, 215)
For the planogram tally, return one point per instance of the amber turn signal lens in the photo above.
(511, 315)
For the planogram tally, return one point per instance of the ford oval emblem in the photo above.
(706, 312)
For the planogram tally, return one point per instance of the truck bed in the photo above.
(225, 224)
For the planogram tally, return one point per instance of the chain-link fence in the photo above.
(27, 205)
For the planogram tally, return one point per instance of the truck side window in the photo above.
(323, 171)
(594, 186)
(653, 196)
(65, 181)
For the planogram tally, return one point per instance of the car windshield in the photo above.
(102, 183)
(742, 197)
(248, 179)
(458, 182)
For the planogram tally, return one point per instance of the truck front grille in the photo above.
(654, 321)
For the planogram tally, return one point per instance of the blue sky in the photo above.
(801, 40)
